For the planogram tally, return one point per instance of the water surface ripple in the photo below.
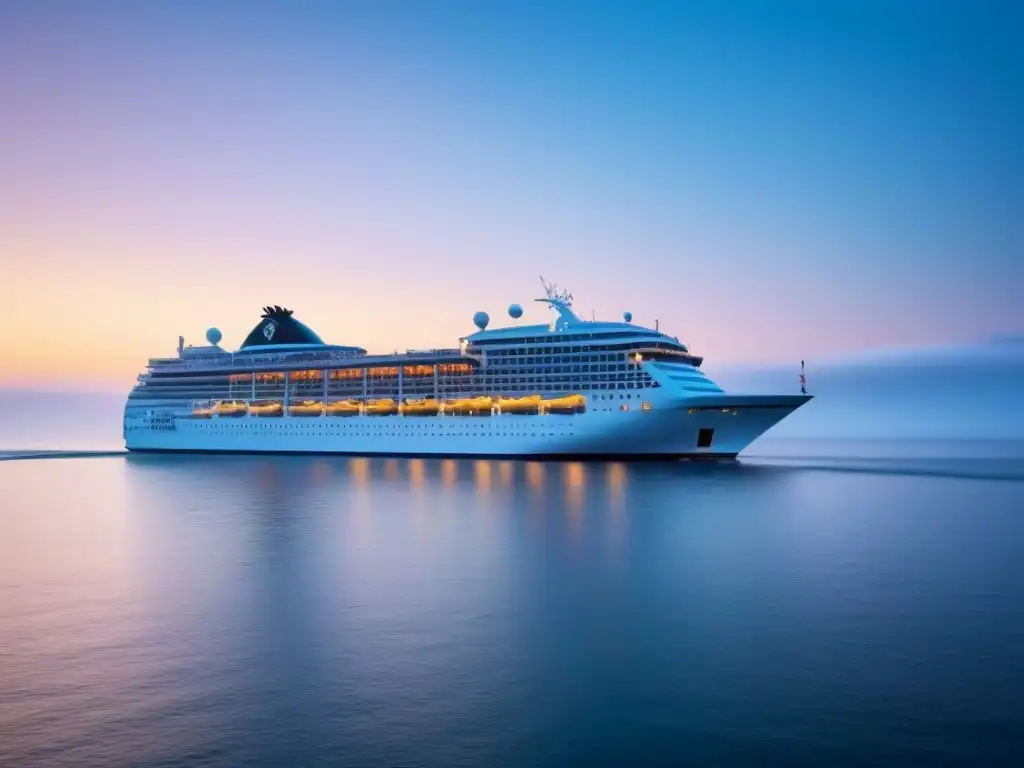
(837, 606)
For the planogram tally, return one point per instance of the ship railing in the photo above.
(247, 360)
(437, 352)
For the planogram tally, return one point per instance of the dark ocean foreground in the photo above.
(816, 606)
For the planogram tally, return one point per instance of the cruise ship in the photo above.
(570, 388)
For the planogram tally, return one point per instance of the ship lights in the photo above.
(342, 374)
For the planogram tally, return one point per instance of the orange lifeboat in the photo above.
(267, 409)
(231, 409)
(529, 404)
(306, 408)
(386, 407)
(564, 405)
(470, 406)
(427, 407)
(343, 408)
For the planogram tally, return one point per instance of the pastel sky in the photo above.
(770, 180)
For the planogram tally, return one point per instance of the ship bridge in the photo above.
(567, 327)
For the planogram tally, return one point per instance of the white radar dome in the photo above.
(480, 320)
(213, 336)
(515, 311)
(627, 316)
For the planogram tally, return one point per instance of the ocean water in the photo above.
(829, 600)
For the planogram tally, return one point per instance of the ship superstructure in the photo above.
(574, 387)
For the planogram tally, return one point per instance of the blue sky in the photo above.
(770, 180)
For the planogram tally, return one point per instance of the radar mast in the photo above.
(551, 292)
(561, 302)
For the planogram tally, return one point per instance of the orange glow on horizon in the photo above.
(94, 323)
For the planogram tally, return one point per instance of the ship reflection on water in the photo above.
(375, 492)
(604, 481)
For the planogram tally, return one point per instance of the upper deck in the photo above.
(279, 342)
(568, 333)
(281, 359)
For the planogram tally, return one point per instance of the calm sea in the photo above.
(825, 601)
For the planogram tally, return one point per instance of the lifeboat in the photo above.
(470, 406)
(564, 405)
(306, 408)
(428, 407)
(267, 409)
(231, 409)
(384, 407)
(201, 413)
(343, 408)
(529, 404)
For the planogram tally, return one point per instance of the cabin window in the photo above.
(346, 373)
(313, 375)
(454, 368)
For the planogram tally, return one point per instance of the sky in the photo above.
(770, 181)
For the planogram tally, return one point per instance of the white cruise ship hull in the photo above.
(712, 427)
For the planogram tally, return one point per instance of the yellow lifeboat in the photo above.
(201, 413)
(230, 409)
(384, 407)
(266, 409)
(306, 408)
(529, 404)
(470, 406)
(343, 408)
(428, 407)
(564, 405)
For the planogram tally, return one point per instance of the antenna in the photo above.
(552, 292)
